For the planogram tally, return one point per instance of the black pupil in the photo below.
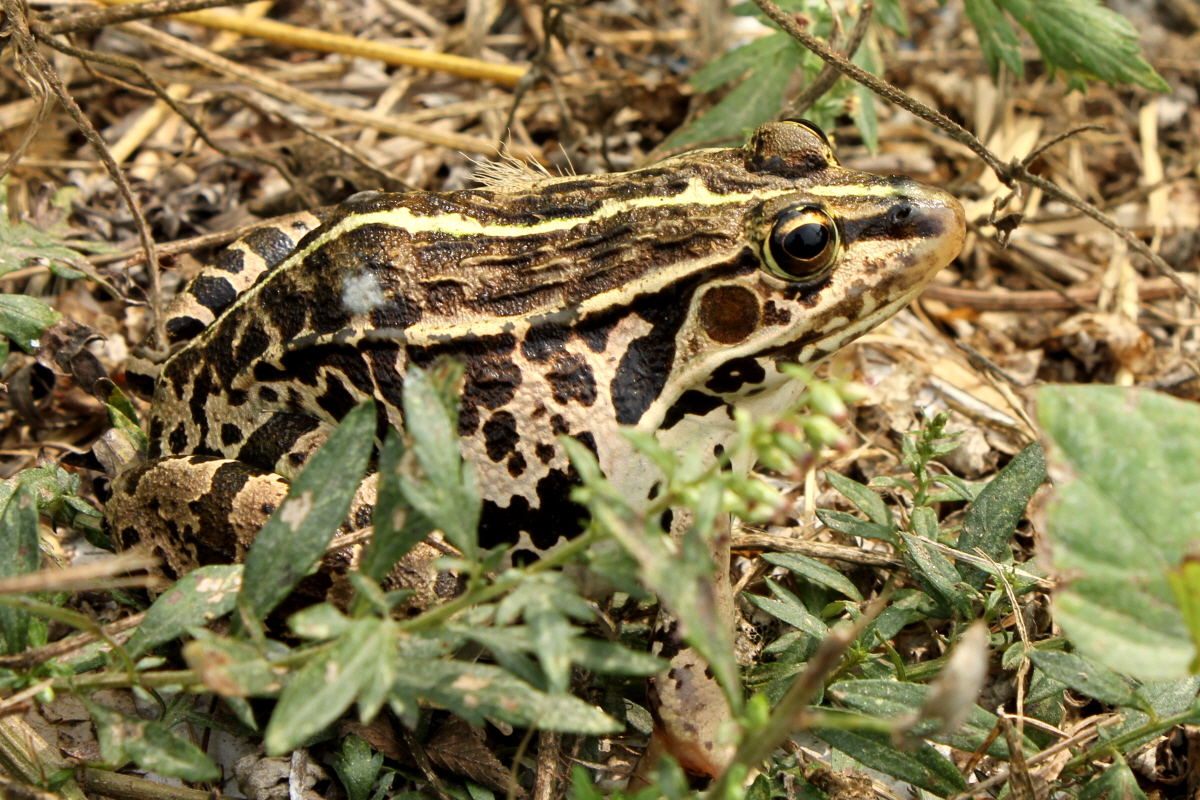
(806, 241)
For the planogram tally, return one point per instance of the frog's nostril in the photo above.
(900, 214)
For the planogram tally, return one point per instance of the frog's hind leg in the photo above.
(234, 270)
(192, 510)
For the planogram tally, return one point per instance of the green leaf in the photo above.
(547, 601)
(895, 700)
(357, 767)
(20, 554)
(853, 526)
(891, 14)
(865, 118)
(1117, 783)
(997, 39)
(964, 490)
(858, 737)
(447, 496)
(198, 598)
(992, 518)
(789, 609)
(934, 572)
(867, 501)
(815, 571)
(150, 745)
(130, 431)
(320, 622)
(327, 685)
(397, 527)
(734, 64)
(24, 319)
(1185, 584)
(478, 691)
(295, 536)
(1086, 40)
(1126, 513)
(756, 100)
(1084, 676)
(607, 658)
(234, 668)
(22, 242)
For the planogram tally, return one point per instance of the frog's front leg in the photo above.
(192, 510)
(689, 706)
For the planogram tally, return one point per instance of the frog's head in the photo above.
(823, 264)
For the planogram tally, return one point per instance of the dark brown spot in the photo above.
(274, 438)
(230, 434)
(774, 315)
(572, 379)
(731, 376)
(179, 439)
(213, 293)
(544, 341)
(544, 452)
(729, 314)
(500, 435)
(337, 399)
(183, 327)
(270, 244)
(690, 403)
(516, 465)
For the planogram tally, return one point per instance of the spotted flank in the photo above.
(661, 299)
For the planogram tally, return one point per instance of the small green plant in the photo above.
(535, 627)
(23, 319)
(764, 67)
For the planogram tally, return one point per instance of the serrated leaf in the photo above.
(1086, 39)
(922, 766)
(754, 101)
(357, 766)
(25, 319)
(815, 571)
(992, 519)
(20, 554)
(295, 536)
(1126, 512)
(997, 39)
(198, 598)
(1084, 676)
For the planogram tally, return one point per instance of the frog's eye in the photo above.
(802, 245)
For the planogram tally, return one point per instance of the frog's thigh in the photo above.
(193, 510)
